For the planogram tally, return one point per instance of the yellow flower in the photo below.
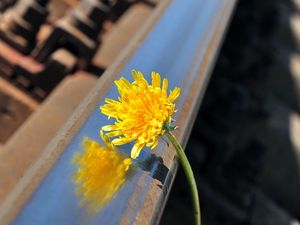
(141, 112)
(101, 172)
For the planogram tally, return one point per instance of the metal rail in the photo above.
(180, 41)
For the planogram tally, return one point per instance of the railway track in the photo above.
(58, 62)
(141, 35)
(63, 66)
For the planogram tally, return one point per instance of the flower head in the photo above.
(141, 112)
(101, 172)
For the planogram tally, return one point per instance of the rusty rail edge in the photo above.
(180, 41)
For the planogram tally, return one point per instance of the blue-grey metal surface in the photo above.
(174, 48)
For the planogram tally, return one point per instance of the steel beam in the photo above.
(180, 41)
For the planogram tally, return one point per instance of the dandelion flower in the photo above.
(141, 112)
(101, 172)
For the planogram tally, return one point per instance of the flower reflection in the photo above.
(102, 170)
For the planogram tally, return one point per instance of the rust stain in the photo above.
(15, 58)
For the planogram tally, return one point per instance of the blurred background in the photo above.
(245, 144)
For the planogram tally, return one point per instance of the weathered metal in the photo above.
(180, 41)
(70, 46)
(20, 24)
(78, 32)
(27, 143)
(19, 71)
(15, 107)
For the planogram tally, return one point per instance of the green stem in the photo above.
(189, 173)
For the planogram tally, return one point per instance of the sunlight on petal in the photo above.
(141, 111)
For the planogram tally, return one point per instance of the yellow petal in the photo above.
(155, 143)
(114, 133)
(105, 138)
(120, 141)
(109, 127)
(122, 85)
(141, 81)
(174, 94)
(134, 75)
(155, 80)
(111, 101)
(165, 85)
(136, 150)
(140, 111)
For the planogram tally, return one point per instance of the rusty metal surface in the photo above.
(185, 58)
(15, 107)
(75, 33)
(36, 80)
(26, 145)
(20, 24)
(120, 34)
